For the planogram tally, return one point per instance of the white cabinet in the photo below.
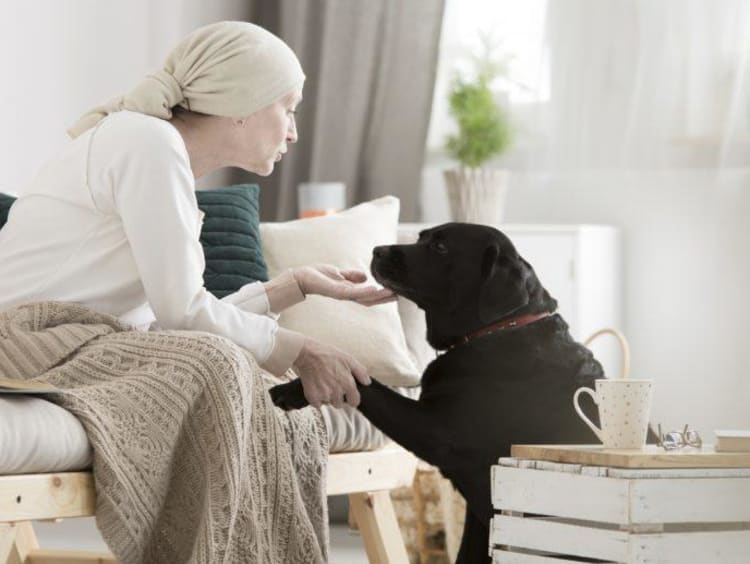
(579, 265)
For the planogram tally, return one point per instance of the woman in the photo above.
(113, 222)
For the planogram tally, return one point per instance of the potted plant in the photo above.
(477, 192)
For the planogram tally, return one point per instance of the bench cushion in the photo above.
(39, 436)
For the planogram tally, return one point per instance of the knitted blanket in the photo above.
(192, 463)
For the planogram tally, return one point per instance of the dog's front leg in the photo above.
(410, 423)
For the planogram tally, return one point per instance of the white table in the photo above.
(688, 514)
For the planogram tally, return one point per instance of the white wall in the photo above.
(686, 244)
(60, 58)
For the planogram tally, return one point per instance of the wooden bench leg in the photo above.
(17, 541)
(8, 553)
(19, 545)
(376, 519)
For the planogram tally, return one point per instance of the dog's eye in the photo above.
(440, 247)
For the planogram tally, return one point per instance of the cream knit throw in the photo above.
(192, 463)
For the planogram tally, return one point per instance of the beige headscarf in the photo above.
(230, 69)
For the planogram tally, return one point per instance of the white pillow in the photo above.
(373, 335)
(412, 318)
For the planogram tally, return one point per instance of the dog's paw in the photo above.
(289, 396)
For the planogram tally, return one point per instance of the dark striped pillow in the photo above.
(5, 203)
(231, 238)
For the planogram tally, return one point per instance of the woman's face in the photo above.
(262, 138)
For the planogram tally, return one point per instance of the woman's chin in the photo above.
(264, 169)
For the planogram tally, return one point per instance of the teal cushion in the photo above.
(5, 203)
(231, 238)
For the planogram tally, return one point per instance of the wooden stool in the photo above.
(427, 509)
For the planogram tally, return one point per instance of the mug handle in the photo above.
(589, 391)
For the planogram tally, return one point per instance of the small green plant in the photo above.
(484, 129)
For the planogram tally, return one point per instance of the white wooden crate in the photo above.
(629, 516)
(503, 557)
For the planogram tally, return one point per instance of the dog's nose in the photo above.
(380, 252)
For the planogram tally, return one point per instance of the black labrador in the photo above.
(508, 373)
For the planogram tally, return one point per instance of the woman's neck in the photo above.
(203, 140)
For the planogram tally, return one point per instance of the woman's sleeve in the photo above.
(268, 298)
(153, 194)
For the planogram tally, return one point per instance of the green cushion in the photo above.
(5, 203)
(230, 237)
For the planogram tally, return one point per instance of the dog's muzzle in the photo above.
(387, 264)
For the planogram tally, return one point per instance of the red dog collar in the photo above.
(505, 324)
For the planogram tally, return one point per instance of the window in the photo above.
(516, 29)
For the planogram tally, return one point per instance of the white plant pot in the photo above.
(477, 195)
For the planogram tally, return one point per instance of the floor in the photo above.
(81, 534)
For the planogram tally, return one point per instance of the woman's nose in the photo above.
(291, 135)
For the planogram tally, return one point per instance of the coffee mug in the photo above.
(624, 409)
(320, 198)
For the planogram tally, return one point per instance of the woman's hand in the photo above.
(328, 375)
(327, 280)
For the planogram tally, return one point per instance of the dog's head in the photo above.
(464, 276)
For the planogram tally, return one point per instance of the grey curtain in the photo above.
(370, 67)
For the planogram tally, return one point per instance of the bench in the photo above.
(366, 477)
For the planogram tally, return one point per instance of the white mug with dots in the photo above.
(624, 409)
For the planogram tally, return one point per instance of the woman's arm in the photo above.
(268, 298)
(147, 174)
(291, 286)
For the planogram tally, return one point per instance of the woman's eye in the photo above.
(440, 247)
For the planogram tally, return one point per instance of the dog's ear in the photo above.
(503, 284)
(489, 261)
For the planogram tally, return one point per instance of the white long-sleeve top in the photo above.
(113, 223)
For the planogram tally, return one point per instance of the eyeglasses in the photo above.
(679, 439)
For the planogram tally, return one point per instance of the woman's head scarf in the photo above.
(230, 69)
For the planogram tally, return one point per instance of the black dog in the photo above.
(508, 374)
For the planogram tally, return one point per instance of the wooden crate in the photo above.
(650, 456)
(548, 510)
